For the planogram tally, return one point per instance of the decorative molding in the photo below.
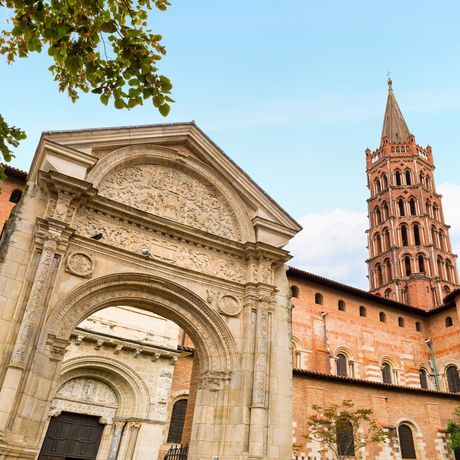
(80, 264)
(229, 305)
(162, 247)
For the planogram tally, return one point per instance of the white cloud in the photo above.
(451, 208)
(333, 244)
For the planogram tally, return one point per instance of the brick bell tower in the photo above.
(410, 255)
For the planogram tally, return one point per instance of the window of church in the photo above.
(398, 178)
(345, 442)
(401, 207)
(318, 298)
(423, 376)
(378, 270)
(362, 311)
(406, 441)
(418, 326)
(386, 373)
(408, 177)
(404, 236)
(413, 210)
(401, 321)
(341, 363)
(421, 263)
(341, 305)
(440, 264)
(377, 186)
(382, 317)
(407, 265)
(388, 294)
(15, 196)
(176, 427)
(453, 380)
(384, 182)
(448, 321)
(416, 235)
(294, 291)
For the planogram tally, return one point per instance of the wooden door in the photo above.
(72, 437)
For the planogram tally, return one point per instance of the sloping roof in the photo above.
(371, 383)
(394, 125)
(307, 276)
(11, 171)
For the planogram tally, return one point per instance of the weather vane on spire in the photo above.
(389, 81)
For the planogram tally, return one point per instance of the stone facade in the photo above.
(201, 246)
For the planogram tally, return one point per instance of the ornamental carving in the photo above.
(174, 194)
(80, 264)
(229, 306)
(87, 390)
(160, 247)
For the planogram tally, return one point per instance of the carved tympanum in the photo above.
(88, 390)
(174, 194)
(79, 264)
(229, 306)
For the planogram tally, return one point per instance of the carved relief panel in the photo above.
(174, 194)
(161, 247)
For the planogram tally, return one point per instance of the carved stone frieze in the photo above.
(80, 264)
(175, 194)
(161, 247)
(88, 390)
(229, 306)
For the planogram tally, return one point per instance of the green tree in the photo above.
(337, 427)
(102, 46)
(453, 429)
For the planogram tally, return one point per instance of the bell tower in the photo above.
(410, 255)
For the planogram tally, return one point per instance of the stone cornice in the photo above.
(81, 334)
(176, 133)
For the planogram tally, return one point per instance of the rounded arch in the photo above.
(213, 341)
(158, 155)
(342, 350)
(131, 391)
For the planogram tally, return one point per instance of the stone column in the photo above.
(134, 428)
(28, 329)
(116, 439)
(258, 418)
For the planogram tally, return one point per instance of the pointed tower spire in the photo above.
(394, 125)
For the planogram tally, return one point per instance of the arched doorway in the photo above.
(208, 331)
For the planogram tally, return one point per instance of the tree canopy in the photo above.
(102, 46)
(344, 429)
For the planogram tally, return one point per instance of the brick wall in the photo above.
(7, 187)
(427, 415)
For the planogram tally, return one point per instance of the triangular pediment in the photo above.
(271, 223)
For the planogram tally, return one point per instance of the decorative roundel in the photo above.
(229, 306)
(80, 264)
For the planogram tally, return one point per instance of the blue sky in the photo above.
(293, 91)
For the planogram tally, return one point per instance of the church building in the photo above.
(147, 308)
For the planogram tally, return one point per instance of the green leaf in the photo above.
(164, 109)
(108, 27)
(104, 98)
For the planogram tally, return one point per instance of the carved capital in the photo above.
(214, 381)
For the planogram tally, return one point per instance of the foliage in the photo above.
(8, 135)
(102, 46)
(453, 429)
(327, 422)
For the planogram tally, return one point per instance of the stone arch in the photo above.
(150, 154)
(131, 391)
(213, 341)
